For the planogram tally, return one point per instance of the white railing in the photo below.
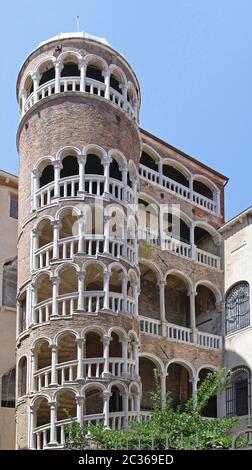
(44, 195)
(177, 188)
(148, 235)
(150, 326)
(67, 304)
(73, 84)
(94, 184)
(178, 333)
(115, 302)
(42, 311)
(208, 259)
(176, 246)
(207, 340)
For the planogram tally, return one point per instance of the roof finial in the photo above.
(78, 24)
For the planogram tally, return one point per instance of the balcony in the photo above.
(179, 190)
(180, 334)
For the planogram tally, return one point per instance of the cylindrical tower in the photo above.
(78, 280)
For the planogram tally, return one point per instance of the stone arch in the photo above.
(22, 376)
(179, 381)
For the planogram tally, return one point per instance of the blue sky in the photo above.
(193, 59)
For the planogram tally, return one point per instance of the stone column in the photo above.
(125, 356)
(34, 248)
(107, 84)
(35, 186)
(32, 370)
(81, 279)
(125, 399)
(32, 442)
(57, 167)
(24, 99)
(106, 165)
(53, 418)
(54, 359)
(192, 241)
(83, 68)
(106, 396)
(163, 386)
(125, 238)
(194, 382)
(161, 285)
(106, 277)
(190, 179)
(107, 219)
(58, 68)
(33, 303)
(80, 370)
(160, 170)
(124, 172)
(82, 163)
(36, 77)
(192, 295)
(79, 403)
(135, 347)
(106, 343)
(81, 244)
(124, 280)
(138, 406)
(125, 97)
(55, 286)
(56, 227)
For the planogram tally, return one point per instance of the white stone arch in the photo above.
(113, 68)
(117, 383)
(210, 367)
(184, 363)
(155, 359)
(149, 199)
(63, 332)
(95, 58)
(60, 390)
(44, 61)
(117, 330)
(180, 214)
(69, 53)
(117, 264)
(151, 152)
(29, 74)
(41, 338)
(206, 181)
(206, 283)
(42, 219)
(119, 157)
(27, 375)
(211, 230)
(132, 170)
(42, 162)
(44, 272)
(64, 265)
(75, 211)
(132, 273)
(69, 150)
(133, 333)
(40, 397)
(93, 329)
(96, 150)
(131, 87)
(153, 267)
(181, 275)
(178, 165)
(93, 385)
(95, 262)
(134, 384)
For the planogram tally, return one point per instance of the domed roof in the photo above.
(75, 35)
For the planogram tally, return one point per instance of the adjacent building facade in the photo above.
(8, 288)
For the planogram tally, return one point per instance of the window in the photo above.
(238, 393)
(10, 284)
(14, 206)
(237, 307)
(8, 389)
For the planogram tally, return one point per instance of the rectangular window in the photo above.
(14, 206)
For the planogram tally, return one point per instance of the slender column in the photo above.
(217, 200)
(125, 356)
(124, 280)
(106, 165)
(194, 382)
(192, 240)
(36, 77)
(81, 244)
(124, 172)
(138, 406)
(79, 403)
(24, 99)
(34, 248)
(82, 163)
(136, 292)
(163, 386)
(125, 399)
(55, 286)
(80, 370)
(53, 417)
(136, 358)
(33, 368)
(125, 238)
(125, 97)
(83, 68)
(32, 441)
(106, 219)
(161, 285)
(190, 180)
(106, 278)
(160, 170)
(18, 325)
(54, 358)
(35, 185)
(56, 227)
(192, 295)
(81, 279)
(58, 68)
(57, 167)
(33, 303)
(107, 85)
(106, 396)
(106, 343)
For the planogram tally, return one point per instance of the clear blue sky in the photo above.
(193, 59)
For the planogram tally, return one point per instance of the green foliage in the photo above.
(174, 428)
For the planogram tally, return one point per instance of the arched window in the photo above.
(237, 307)
(238, 393)
(8, 389)
(9, 284)
(22, 376)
